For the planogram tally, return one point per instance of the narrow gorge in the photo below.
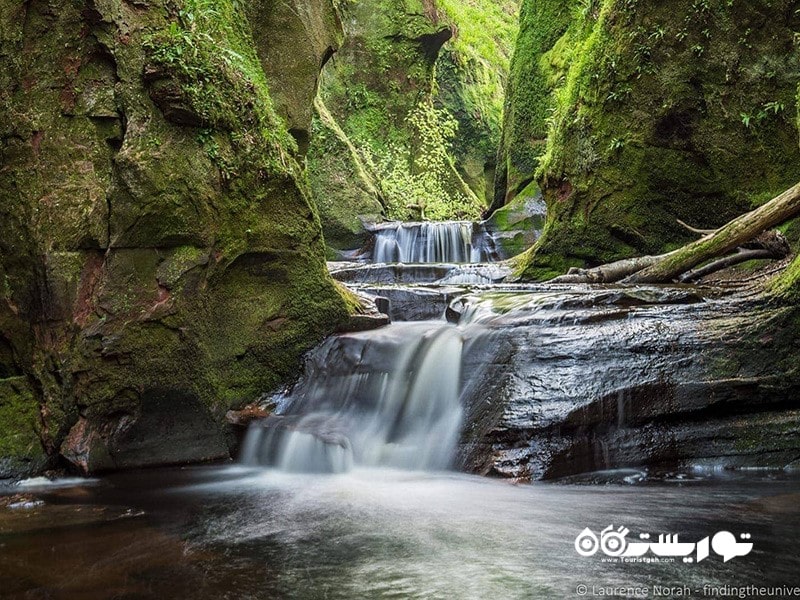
(357, 298)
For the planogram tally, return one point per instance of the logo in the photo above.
(614, 543)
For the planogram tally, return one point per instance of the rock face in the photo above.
(630, 114)
(295, 40)
(160, 260)
(408, 115)
(593, 379)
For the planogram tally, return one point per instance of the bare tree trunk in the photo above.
(725, 262)
(746, 232)
(742, 229)
(608, 273)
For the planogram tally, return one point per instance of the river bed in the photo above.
(234, 532)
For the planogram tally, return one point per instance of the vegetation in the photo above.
(644, 113)
(158, 228)
(416, 182)
(413, 103)
(209, 51)
(472, 73)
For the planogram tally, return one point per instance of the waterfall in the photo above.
(377, 399)
(445, 242)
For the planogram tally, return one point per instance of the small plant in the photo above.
(616, 144)
(418, 180)
(772, 107)
(588, 8)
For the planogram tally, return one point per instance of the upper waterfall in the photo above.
(432, 242)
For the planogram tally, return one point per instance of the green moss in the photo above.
(178, 262)
(787, 285)
(471, 74)
(180, 252)
(642, 114)
(529, 97)
(405, 121)
(21, 449)
(210, 52)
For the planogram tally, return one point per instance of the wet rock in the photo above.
(367, 316)
(245, 416)
(169, 427)
(21, 450)
(580, 394)
(396, 273)
(515, 227)
(139, 253)
(417, 303)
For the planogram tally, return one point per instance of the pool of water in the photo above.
(234, 532)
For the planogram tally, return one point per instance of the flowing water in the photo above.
(387, 398)
(231, 532)
(432, 242)
(348, 491)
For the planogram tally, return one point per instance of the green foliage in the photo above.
(482, 45)
(639, 112)
(209, 51)
(414, 180)
(402, 126)
(766, 109)
(542, 54)
(472, 74)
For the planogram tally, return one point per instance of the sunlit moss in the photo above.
(636, 120)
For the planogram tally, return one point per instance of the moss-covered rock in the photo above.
(471, 77)
(21, 451)
(645, 112)
(158, 247)
(294, 41)
(516, 226)
(409, 112)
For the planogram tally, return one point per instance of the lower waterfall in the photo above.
(386, 398)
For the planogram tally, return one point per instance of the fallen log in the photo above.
(608, 273)
(725, 239)
(747, 232)
(725, 262)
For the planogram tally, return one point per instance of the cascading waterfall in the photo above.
(444, 242)
(378, 399)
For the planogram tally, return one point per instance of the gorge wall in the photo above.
(409, 111)
(630, 114)
(160, 259)
(627, 115)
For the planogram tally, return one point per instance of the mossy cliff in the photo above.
(630, 114)
(160, 259)
(787, 286)
(408, 113)
(471, 77)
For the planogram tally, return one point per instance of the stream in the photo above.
(365, 482)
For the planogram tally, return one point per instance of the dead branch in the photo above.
(735, 233)
(748, 232)
(725, 262)
(694, 229)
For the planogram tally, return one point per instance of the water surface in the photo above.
(235, 532)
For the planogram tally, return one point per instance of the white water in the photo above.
(445, 242)
(387, 398)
